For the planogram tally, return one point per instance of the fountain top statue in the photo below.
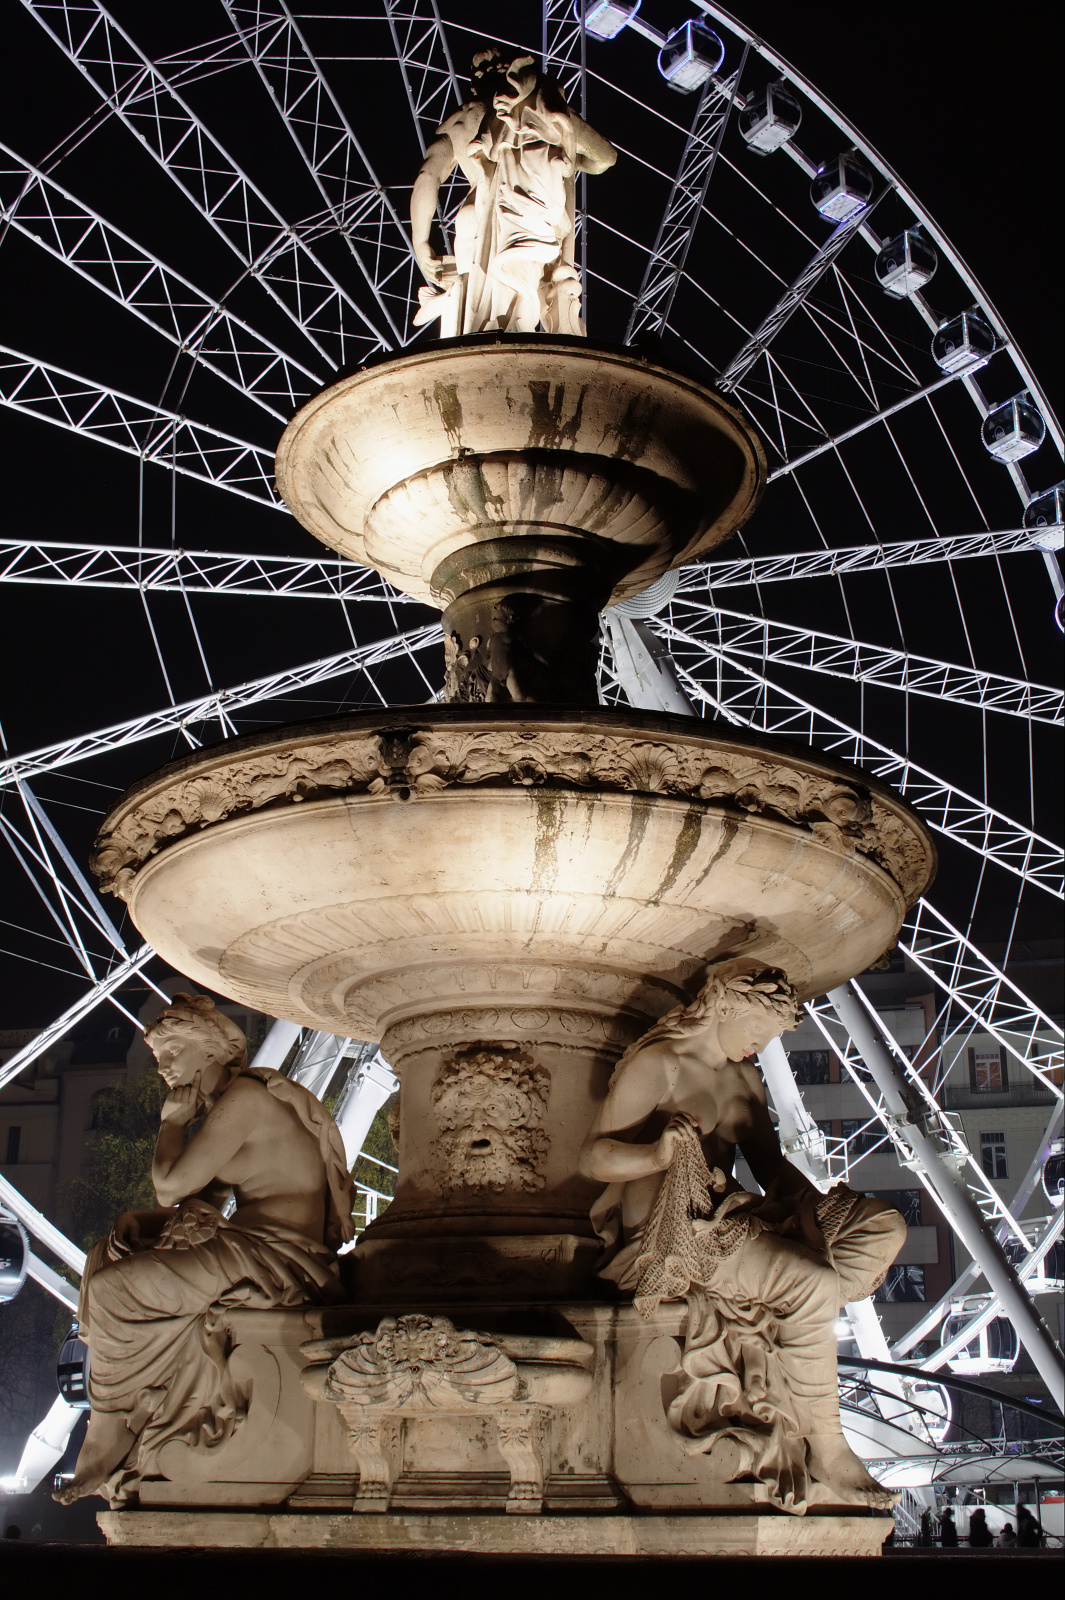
(520, 146)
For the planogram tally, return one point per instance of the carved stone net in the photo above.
(675, 1253)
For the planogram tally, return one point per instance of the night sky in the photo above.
(968, 114)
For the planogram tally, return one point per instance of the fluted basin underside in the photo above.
(362, 874)
(475, 440)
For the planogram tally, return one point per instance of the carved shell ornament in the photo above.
(409, 761)
(417, 1362)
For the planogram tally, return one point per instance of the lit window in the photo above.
(987, 1070)
(993, 1154)
(809, 1066)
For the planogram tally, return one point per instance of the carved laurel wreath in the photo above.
(408, 763)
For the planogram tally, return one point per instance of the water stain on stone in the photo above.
(547, 431)
(687, 839)
(729, 829)
(548, 828)
(641, 816)
(632, 433)
(469, 495)
(447, 402)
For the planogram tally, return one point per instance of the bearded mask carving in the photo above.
(489, 1104)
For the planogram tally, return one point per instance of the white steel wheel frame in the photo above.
(836, 375)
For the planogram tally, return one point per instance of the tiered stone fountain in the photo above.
(505, 890)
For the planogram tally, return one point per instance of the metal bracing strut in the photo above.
(958, 1205)
(118, 566)
(150, 432)
(968, 1275)
(737, 369)
(270, 249)
(687, 198)
(766, 706)
(212, 706)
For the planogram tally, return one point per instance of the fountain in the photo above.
(507, 890)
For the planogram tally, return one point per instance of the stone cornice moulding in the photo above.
(429, 752)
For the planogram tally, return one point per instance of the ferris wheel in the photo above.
(219, 227)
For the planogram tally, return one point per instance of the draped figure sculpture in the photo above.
(156, 1292)
(520, 147)
(764, 1276)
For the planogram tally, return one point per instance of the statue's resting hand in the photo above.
(182, 1104)
(680, 1127)
(138, 1229)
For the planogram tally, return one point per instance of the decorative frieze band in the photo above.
(410, 762)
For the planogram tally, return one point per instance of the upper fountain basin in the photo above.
(413, 459)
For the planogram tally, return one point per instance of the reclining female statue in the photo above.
(155, 1293)
(764, 1276)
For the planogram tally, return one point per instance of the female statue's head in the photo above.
(745, 1004)
(751, 1005)
(191, 1035)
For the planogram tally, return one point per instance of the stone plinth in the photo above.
(766, 1534)
(563, 1448)
(505, 904)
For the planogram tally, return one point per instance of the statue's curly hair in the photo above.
(731, 988)
(201, 1011)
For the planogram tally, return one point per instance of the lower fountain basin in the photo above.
(358, 874)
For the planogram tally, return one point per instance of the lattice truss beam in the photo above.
(760, 639)
(361, 209)
(564, 50)
(140, 94)
(151, 432)
(211, 571)
(746, 696)
(51, 217)
(687, 198)
(924, 1109)
(151, 569)
(429, 77)
(219, 705)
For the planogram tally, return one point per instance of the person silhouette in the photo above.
(1029, 1536)
(980, 1535)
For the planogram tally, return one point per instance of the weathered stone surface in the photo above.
(686, 1534)
(434, 452)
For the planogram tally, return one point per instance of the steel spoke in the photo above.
(215, 704)
(151, 432)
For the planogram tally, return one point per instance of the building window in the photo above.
(993, 1154)
(987, 1070)
(901, 1283)
(809, 1066)
(861, 1136)
(14, 1139)
(908, 1201)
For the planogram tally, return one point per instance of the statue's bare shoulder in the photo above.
(641, 1082)
(462, 125)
